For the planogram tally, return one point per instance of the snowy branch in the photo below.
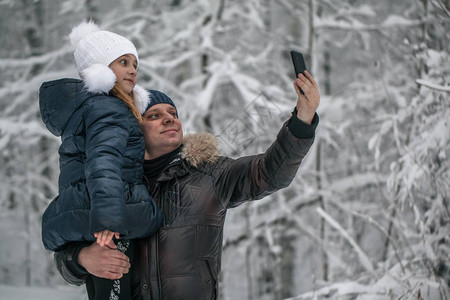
(392, 23)
(363, 258)
(433, 86)
(42, 59)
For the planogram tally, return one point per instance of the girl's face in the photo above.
(125, 69)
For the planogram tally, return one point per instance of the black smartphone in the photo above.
(299, 62)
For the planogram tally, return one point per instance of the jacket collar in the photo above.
(198, 149)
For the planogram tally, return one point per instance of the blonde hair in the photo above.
(129, 101)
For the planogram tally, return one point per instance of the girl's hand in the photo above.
(105, 238)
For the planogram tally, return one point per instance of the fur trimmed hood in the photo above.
(199, 148)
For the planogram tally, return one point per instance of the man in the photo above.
(194, 186)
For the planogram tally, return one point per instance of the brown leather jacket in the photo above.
(183, 260)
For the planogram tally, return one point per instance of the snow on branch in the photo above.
(337, 289)
(354, 25)
(363, 258)
(433, 86)
(23, 62)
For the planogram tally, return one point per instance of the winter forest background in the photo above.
(368, 215)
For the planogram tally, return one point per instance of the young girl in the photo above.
(101, 194)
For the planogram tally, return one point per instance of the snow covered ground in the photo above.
(40, 293)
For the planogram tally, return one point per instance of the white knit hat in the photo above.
(95, 50)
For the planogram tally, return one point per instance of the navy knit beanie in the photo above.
(157, 97)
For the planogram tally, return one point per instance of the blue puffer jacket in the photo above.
(101, 167)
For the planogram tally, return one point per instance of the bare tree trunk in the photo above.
(27, 221)
(33, 30)
(287, 266)
(420, 71)
(322, 229)
(91, 10)
(248, 252)
(424, 34)
(205, 57)
(33, 33)
(311, 12)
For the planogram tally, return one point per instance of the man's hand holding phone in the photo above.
(306, 89)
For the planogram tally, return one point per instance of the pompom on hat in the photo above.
(95, 50)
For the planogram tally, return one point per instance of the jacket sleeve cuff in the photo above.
(300, 129)
(72, 261)
(67, 263)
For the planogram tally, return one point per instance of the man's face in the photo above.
(162, 130)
